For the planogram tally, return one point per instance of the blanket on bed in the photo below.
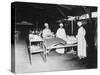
(54, 42)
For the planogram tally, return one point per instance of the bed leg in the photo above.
(44, 56)
(30, 58)
(45, 53)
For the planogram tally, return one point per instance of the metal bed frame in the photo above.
(44, 49)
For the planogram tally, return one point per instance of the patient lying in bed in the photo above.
(54, 42)
(58, 41)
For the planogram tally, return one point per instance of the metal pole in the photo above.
(72, 26)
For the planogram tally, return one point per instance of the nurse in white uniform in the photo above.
(61, 34)
(47, 32)
(81, 41)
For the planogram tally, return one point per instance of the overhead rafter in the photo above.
(35, 6)
(62, 13)
(67, 7)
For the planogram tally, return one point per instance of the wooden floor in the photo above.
(55, 61)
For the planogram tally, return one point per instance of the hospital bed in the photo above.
(55, 43)
(46, 45)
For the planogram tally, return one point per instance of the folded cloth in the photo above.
(54, 42)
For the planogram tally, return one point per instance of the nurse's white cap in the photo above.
(61, 24)
(79, 23)
(45, 24)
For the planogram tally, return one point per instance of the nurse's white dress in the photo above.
(81, 42)
(46, 33)
(61, 34)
